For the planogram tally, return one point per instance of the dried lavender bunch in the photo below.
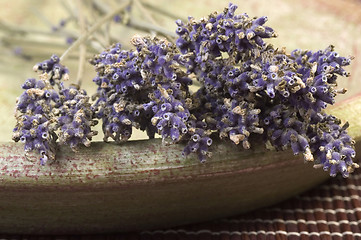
(251, 87)
(331, 144)
(153, 90)
(36, 123)
(247, 87)
(120, 93)
(75, 118)
(143, 88)
(222, 33)
(46, 106)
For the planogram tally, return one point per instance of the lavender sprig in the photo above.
(247, 87)
(253, 88)
(45, 114)
(75, 118)
(35, 119)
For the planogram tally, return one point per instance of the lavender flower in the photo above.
(247, 87)
(35, 120)
(75, 118)
(170, 115)
(224, 32)
(253, 88)
(42, 110)
(118, 79)
(332, 146)
(198, 143)
(138, 85)
(53, 70)
(257, 89)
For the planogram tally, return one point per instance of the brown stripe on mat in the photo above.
(329, 211)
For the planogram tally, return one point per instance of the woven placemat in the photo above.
(329, 211)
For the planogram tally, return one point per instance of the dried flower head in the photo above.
(45, 114)
(247, 87)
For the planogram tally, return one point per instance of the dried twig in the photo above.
(136, 24)
(82, 46)
(161, 11)
(95, 27)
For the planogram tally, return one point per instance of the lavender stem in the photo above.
(82, 47)
(95, 27)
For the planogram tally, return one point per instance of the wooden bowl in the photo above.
(143, 185)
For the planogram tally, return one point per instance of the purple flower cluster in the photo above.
(34, 126)
(250, 87)
(247, 87)
(42, 111)
(169, 115)
(332, 146)
(224, 32)
(142, 88)
(146, 88)
(75, 118)
(318, 71)
(121, 92)
(52, 70)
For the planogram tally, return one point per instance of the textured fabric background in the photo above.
(329, 211)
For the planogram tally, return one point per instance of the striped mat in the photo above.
(329, 211)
